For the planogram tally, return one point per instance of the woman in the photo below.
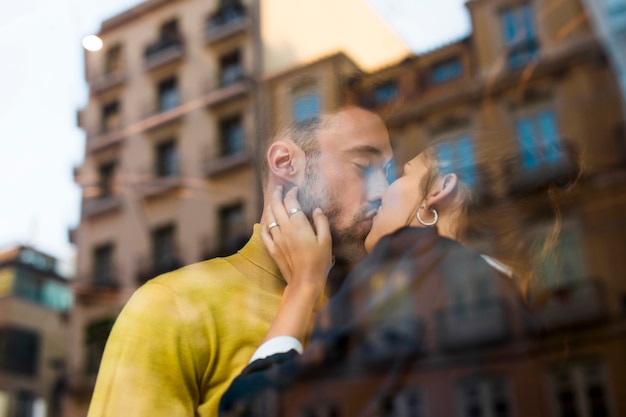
(446, 269)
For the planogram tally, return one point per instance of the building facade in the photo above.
(35, 300)
(172, 127)
(536, 78)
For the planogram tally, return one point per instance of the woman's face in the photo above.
(399, 202)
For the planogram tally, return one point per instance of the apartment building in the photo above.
(34, 303)
(172, 126)
(533, 76)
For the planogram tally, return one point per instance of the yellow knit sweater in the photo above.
(183, 337)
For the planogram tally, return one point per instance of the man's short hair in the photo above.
(304, 134)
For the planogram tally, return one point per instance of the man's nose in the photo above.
(376, 185)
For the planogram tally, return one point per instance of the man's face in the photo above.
(347, 178)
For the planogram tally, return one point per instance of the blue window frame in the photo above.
(306, 107)
(458, 156)
(538, 139)
(446, 71)
(385, 92)
(520, 35)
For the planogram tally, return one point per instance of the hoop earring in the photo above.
(427, 224)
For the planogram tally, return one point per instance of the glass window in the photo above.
(518, 24)
(479, 397)
(96, 335)
(106, 173)
(233, 229)
(231, 68)
(56, 295)
(538, 139)
(167, 94)
(103, 270)
(520, 35)
(231, 136)
(27, 285)
(458, 156)
(446, 71)
(24, 404)
(113, 60)
(111, 117)
(306, 106)
(164, 254)
(166, 159)
(385, 92)
(580, 390)
(19, 351)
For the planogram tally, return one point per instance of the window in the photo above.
(169, 31)
(168, 94)
(164, 256)
(96, 335)
(520, 35)
(103, 271)
(19, 351)
(113, 60)
(24, 404)
(231, 69)
(446, 71)
(306, 105)
(166, 159)
(232, 140)
(458, 156)
(580, 390)
(111, 117)
(169, 38)
(56, 295)
(410, 402)
(385, 92)
(483, 397)
(106, 173)
(233, 228)
(538, 139)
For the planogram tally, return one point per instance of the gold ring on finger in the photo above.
(272, 225)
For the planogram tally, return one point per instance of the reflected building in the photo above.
(35, 302)
(173, 119)
(535, 77)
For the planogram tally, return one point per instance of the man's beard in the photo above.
(348, 243)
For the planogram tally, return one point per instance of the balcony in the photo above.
(97, 142)
(90, 289)
(160, 186)
(97, 206)
(149, 268)
(217, 166)
(162, 52)
(576, 303)
(474, 325)
(392, 338)
(107, 81)
(226, 92)
(522, 53)
(523, 181)
(228, 21)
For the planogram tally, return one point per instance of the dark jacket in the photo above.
(419, 311)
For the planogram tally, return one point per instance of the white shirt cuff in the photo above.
(278, 344)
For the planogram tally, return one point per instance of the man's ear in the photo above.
(443, 192)
(286, 161)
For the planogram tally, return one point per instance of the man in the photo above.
(185, 335)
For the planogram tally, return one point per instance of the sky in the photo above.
(42, 87)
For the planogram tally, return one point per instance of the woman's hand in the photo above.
(303, 254)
